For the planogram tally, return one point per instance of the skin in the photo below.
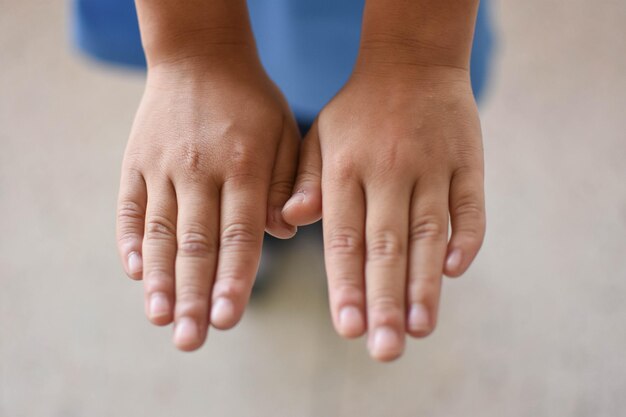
(396, 155)
(212, 159)
(213, 138)
(385, 206)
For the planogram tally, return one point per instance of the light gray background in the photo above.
(536, 328)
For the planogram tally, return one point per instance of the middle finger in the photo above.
(386, 236)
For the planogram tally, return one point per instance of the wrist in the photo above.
(203, 59)
(379, 55)
(394, 68)
(206, 71)
(209, 30)
(418, 33)
(198, 47)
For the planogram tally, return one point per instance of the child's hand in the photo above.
(393, 154)
(209, 164)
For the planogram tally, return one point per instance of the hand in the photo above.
(209, 164)
(392, 155)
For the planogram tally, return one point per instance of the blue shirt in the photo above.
(307, 46)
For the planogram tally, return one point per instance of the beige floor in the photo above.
(536, 328)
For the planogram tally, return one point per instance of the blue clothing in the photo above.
(307, 46)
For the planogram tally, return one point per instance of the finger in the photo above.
(428, 233)
(159, 251)
(196, 260)
(131, 211)
(386, 238)
(282, 182)
(305, 205)
(467, 212)
(241, 237)
(344, 234)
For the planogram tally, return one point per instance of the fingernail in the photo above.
(278, 219)
(386, 342)
(454, 260)
(135, 264)
(418, 318)
(159, 305)
(222, 311)
(186, 331)
(297, 198)
(351, 321)
(281, 229)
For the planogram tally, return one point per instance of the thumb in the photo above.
(305, 205)
(283, 178)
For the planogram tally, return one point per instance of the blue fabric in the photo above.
(307, 46)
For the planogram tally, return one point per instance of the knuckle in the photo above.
(343, 168)
(386, 310)
(231, 287)
(427, 227)
(157, 280)
(193, 163)
(245, 177)
(385, 246)
(391, 159)
(133, 162)
(243, 159)
(238, 236)
(192, 293)
(470, 219)
(160, 228)
(345, 241)
(468, 206)
(130, 215)
(281, 187)
(471, 175)
(468, 155)
(243, 165)
(129, 241)
(196, 242)
(346, 289)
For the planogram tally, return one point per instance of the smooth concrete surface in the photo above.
(536, 328)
